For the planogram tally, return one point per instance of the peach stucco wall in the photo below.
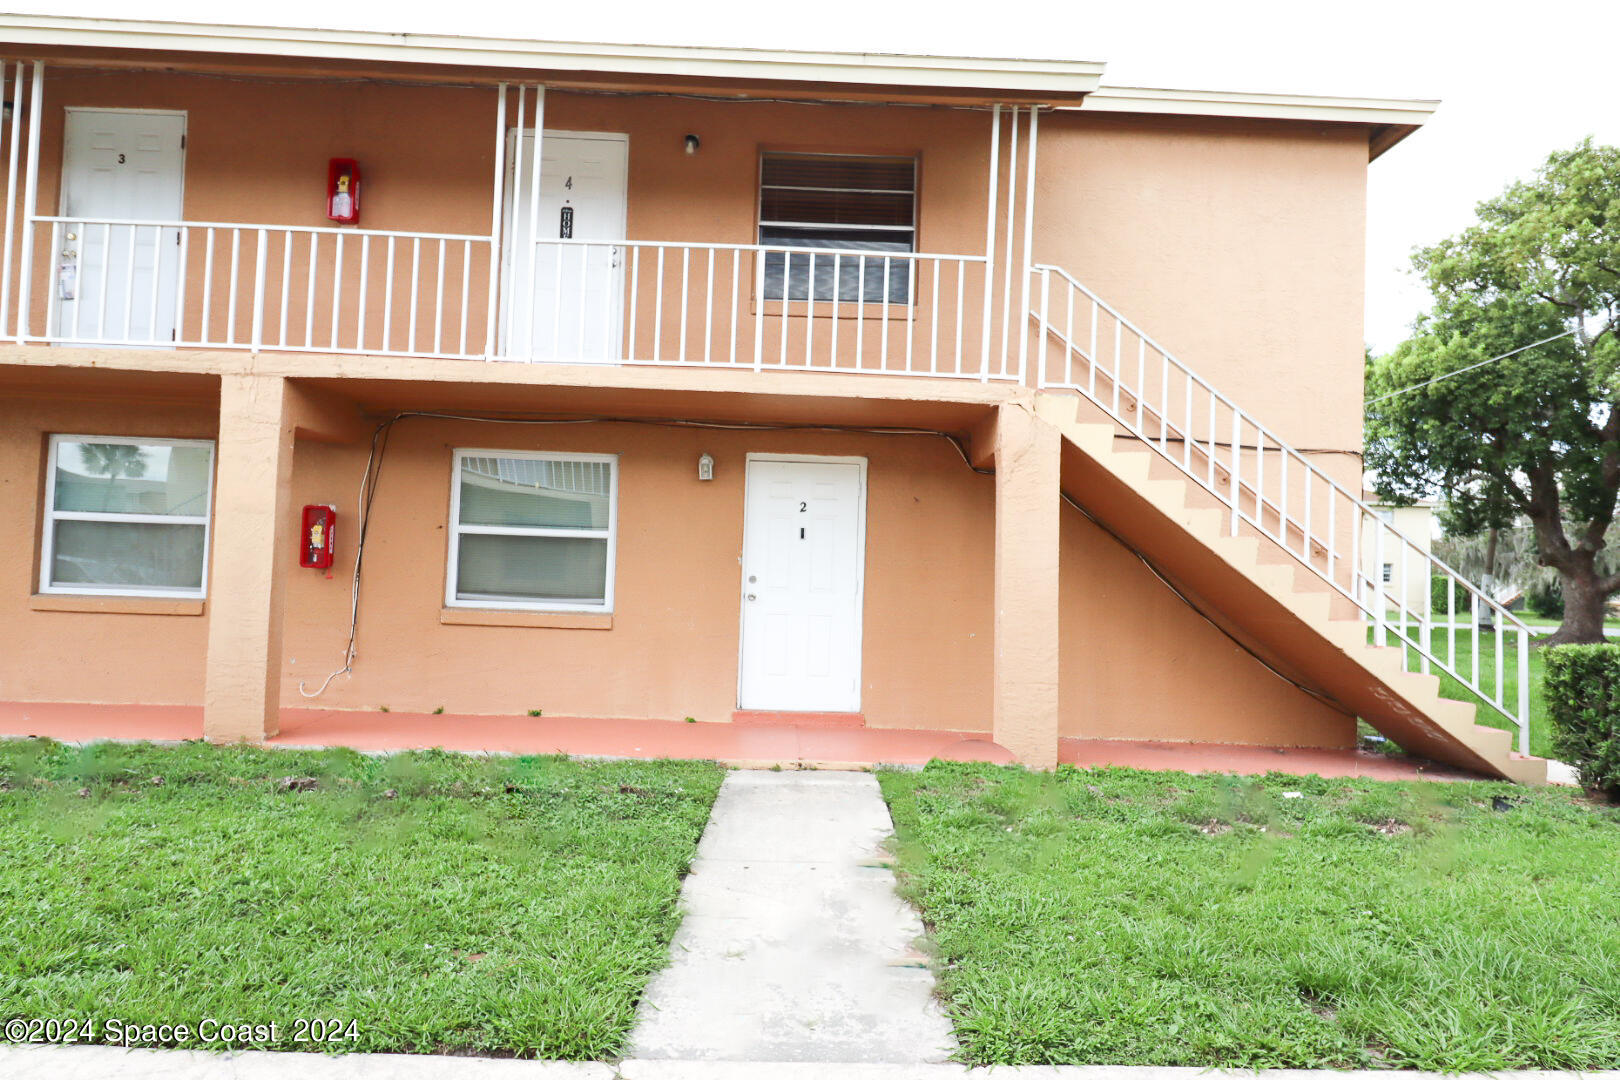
(426, 153)
(1134, 662)
(48, 655)
(1155, 669)
(672, 648)
(1238, 244)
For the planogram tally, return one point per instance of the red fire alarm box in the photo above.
(315, 545)
(343, 190)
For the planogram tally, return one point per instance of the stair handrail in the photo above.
(1386, 612)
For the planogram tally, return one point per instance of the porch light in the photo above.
(692, 144)
(706, 467)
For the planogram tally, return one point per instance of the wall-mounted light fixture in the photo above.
(706, 467)
(692, 144)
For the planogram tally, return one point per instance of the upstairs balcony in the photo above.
(222, 285)
(743, 232)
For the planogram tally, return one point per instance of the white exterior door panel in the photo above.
(803, 567)
(572, 307)
(116, 283)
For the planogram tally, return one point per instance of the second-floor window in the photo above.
(830, 203)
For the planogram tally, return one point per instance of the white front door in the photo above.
(116, 283)
(804, 540)
(571, 307)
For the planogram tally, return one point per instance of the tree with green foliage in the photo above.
(1536, 436)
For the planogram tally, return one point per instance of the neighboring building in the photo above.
(691, 410)
(1394, 573)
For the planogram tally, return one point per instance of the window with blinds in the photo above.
(838, 206)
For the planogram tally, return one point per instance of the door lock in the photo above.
(750, 596)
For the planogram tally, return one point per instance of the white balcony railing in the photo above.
(753, 306)
(213, 285)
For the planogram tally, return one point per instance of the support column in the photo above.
(252, 533)
(1027, 506)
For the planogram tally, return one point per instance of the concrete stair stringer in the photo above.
(1263, 594)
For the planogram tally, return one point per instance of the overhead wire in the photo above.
(1466, 370)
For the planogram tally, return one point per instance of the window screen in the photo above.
(838, 204)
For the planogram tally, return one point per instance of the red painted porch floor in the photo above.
(788, 745)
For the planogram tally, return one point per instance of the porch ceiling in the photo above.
(744, 72)
(957, 415)
(105, 383)
(378, 386)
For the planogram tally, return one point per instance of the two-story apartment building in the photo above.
(907, 392)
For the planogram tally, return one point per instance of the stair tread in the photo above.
(1296, 587)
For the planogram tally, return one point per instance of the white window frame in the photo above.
(51, 516)
(456, 530)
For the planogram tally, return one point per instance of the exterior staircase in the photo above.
(1273, 573)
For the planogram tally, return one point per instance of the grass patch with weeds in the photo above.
(1121, 917)
(449, 904)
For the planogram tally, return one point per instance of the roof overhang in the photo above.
(1389, 120)
(994, 79)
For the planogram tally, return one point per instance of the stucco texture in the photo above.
(1134, 662)
(81, 654)
(1237, 244)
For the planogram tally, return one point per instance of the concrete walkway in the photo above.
(794, 947)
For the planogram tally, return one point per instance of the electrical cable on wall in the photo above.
(370, 478)
(379, 444)
(1200, 612)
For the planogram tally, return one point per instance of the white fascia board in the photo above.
(1342, 110)
(1067, 77)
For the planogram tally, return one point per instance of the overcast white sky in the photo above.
(1515, 82)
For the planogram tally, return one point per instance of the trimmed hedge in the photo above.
(1437, 597)
(1583, 702)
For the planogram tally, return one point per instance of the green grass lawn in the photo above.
(1120, 917)
(445, 903)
